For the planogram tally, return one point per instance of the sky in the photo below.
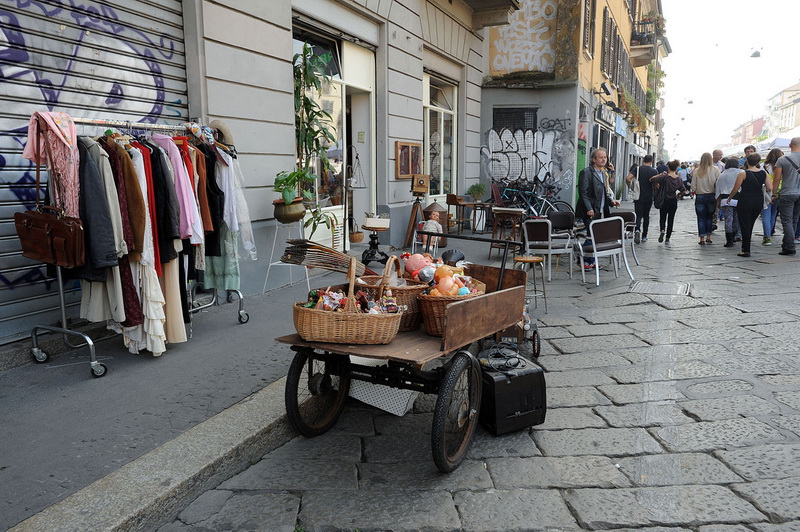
(710, 65)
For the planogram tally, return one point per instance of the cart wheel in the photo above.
(314, 397)
(39, 356)
(456, 412)
(100, 370)
(244, 317)
(536, 343)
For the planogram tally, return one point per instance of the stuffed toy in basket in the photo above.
(406, 295)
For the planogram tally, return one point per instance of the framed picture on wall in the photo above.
(408, 159)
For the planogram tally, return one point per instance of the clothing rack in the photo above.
(98, 369)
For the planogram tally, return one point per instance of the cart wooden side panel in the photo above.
(472, 319)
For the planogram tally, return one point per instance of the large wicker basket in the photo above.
(405, 295)
(348, 327)
(433, 310)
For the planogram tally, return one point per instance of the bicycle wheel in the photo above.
(558, 206)
(314, 397)
(456, 412)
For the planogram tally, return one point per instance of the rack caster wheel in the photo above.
(244, 317)
(99, 370)
(39, 356)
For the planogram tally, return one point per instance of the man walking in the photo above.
(787, 175)
(716, 155)
(642, 205)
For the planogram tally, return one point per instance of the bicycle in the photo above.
(535, 204)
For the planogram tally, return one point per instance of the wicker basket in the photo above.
(356, 236)
(348, 327)
(433, 310)
(405, 295)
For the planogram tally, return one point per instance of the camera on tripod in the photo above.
(419, 184)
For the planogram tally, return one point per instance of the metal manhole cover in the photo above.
(658, 288)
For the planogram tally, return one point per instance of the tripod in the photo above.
(416, 209)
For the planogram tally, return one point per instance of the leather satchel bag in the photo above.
(50, 237)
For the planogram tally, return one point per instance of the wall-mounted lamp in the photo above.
(604, 89)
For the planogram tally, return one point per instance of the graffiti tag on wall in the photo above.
(526, 43)
(94, 59)
(547, 154)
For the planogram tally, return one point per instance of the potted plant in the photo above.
(477, 190)
(313, 134)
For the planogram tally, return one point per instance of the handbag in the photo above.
(635, 190)
(658, 195)
(47, 234)
(766, 196)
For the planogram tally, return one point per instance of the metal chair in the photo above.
(630, 228)
(538, 238)
(530, 262)
(430, 248)
(607, 240)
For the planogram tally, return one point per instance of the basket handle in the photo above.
(350, 305)
(392, 261)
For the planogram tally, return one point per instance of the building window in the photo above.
(440, 139)
(514, 118)
(589, 10)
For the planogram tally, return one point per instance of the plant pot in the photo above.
(290, 213)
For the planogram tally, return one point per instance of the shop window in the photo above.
(440, 139)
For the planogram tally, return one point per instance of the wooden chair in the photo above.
(458, 202)
(607, 240)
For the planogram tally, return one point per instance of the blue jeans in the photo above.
(768, 217)
(704, 207)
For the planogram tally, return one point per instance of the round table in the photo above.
(373, 252)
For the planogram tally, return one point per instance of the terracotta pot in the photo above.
(290, 213)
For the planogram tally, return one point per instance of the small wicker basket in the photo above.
(350, 326)
(433, 308)
(356, 236)
(405, 295)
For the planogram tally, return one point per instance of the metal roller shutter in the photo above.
(112, 60)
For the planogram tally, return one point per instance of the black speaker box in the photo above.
(512, 399)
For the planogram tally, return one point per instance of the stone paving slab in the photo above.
(598, 330)
(779, 380)
(513, 510)
(724, 528)
(575, 396)
(656, 325)
(401, 511)
(763, 462)
(330, 446)
(791, 423)
(775, 497)
(641, 392)
(743, 319)
(581, 361)
(675, 302)
(729, 407)
(790, 399)
(423, 476)
(605, 442)
(571, 418)
(643, 414)
(284, 474)
(620, 300)
(718, 387)
(765, 346)
(668, 506)
(399, 425)
(792, 526)
(355, 420)
(591, 344)
(666, 372)
(599, 318)
(554, 332)
(676, 469)
(667, 337)
(754, 364)
(577, 377)
(548, 472)
(712, 435)
(485, 445)
(674, 353)
(550, 320)
(393, 447)
(244, 511)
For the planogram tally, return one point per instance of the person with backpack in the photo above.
(639, 179)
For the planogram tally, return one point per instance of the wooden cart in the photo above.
(319, 377)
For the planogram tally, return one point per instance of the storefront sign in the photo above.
(604, 114)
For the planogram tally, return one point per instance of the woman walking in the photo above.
(750, 201)
(704, 182)
(673, 186)
(728, 212)
(770, 214)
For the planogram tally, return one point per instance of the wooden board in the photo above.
(490, 274)
(414, 347)
(472, 319)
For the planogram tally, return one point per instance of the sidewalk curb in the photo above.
(153, 489)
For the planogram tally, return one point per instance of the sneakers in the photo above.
(787, 252)
(637, 237)
(588, 267)
(661, 237)
(666, 242)
(644, 239)
(737, 238)
(767, 241)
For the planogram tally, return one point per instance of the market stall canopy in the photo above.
(781, 140)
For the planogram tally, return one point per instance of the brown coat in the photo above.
(136, 209)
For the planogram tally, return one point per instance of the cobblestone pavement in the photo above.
(679, 412)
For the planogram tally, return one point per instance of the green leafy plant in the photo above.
(313, 134)
(477, 190)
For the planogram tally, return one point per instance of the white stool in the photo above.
(288, 228)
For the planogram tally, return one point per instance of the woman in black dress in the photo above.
(673, 188)
(747, 191)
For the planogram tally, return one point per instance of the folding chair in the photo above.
(607, 240)
(430, 248)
